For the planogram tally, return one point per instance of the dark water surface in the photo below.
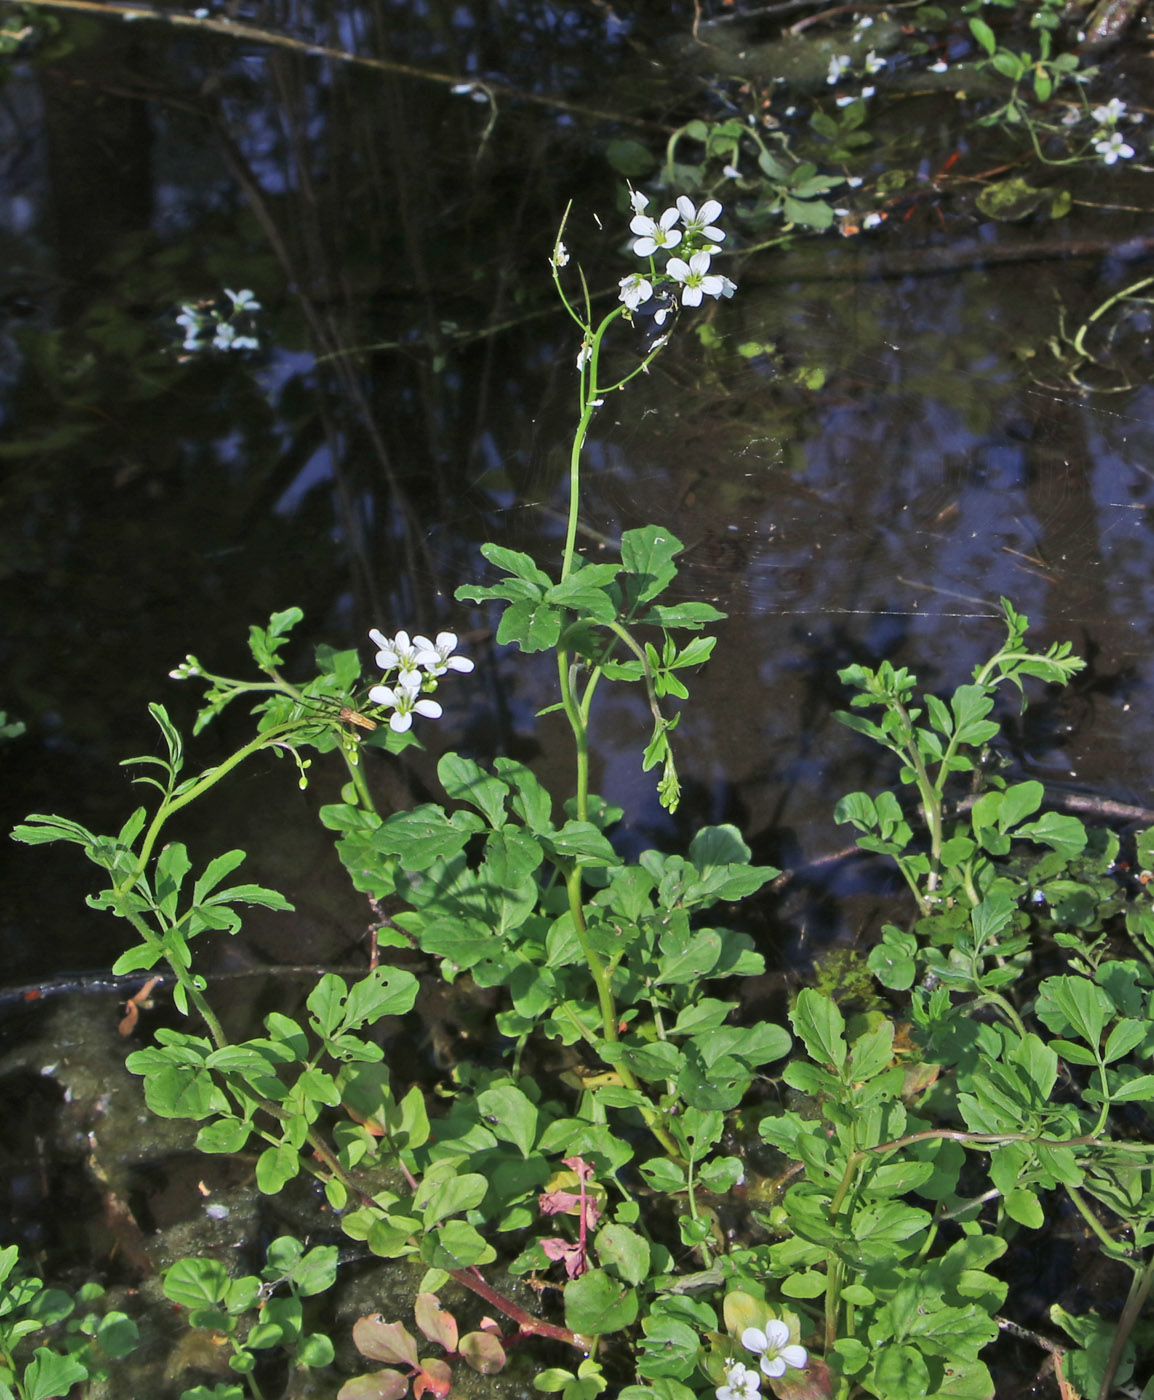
(414, 396)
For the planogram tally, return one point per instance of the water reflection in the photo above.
(901, 452)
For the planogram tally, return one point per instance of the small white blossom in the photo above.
(695, 278)
(225, 335)
(845, 100)
(655, 233)
(699, 222)
(1110, 112)
(1111, 147)
(838, 65)
(396, 653)
(1073, 117)
(638, 202)
(872, 220)
(584, 355)
(854, 181)
(560, 254)
(243, 301)
(731, 172)
(940, 67)
(659, 320)
(874, 64)
(189, 667)
(865, 22)
(245, 342)
(728, 287)
(404, 699)
(868, 91)
(777, 1352)
(740, 1383)
(437, 656)
(635, 290)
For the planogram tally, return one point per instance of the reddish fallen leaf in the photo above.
(571, 1255)
(433, 1376)
(381, 1385)
(437, 1324)
(133, 1005)
(483, 1352)
(384, 1341)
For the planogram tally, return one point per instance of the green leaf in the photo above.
(1073, 1002)
(1025, 1208)
(49, 1375)
(623, 1252)
(466, 781)
(821, 1026)
(596, 1304)
(275, 1167)
(534, 626)
(511, 1115)
(456, 1245)
(442, 1195)
(1062, 833)
(196, 1283)
(425, 834)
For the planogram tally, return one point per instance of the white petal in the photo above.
(382, 695)
(669, 218)
(776, 1333)
(446, 642)
(398, 723)
(699, 262)
(686, 209)
(676, 267)
(773, 1366)
(709, 211)
(429, 708)
(459, 663)
(691, 296)
(795, 1356)
(754, 1339)
(645, 247)
(642, 223)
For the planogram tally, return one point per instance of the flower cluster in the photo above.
(698, 237)
(199, 319)
(1108, 142)
(418, 663)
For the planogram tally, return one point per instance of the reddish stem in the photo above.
(471, 1279)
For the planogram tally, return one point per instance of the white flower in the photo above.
(584, 355)
(1110, 112)
(225, 335)
(695, 278)
(560, 254)
(845, 101)
(777, 1352)
(403, 699)
(635, 289)
(838, 65)
(655, 233)
(245, 342)
(868, 91)
(659, 320)
(874, 64)
(865, 22)
(1111, 147)
(243, 301)
(397, 652)
(728, 287)
(637, 200)
(854, 181)
(731, 172)
(872, 220)
(437, 657)
(1072, 117)
(699, 222)
(740, 1383)
(940, 67)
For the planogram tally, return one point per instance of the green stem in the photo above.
(1139, 1292)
